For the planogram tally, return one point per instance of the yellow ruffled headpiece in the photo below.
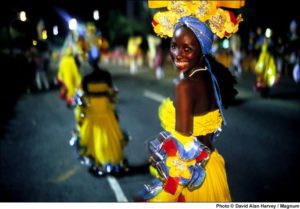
(221, 22)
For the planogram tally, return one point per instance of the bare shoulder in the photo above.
(188, 84)
(183, 86)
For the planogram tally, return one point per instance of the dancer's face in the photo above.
(185, 50)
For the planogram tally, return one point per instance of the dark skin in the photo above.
(194, 94)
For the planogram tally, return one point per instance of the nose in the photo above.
(177, 53)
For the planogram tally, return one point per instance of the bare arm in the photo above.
(183, 107)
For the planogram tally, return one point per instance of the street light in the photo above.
(55, 30)
(12, 31)
(73, 27)
(73, 24)
(96, 15)
(268, 33)
(22, 16)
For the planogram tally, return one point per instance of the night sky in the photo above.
(261, 13)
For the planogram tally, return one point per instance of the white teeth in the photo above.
(181, 63)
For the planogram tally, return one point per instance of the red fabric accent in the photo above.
(171, 184)
(232, 17)
(227, 34)
(60, 82)
(69, 101)
(63, 93)
(181, 198)
(201, 156)
(169, 147)
(154, 23)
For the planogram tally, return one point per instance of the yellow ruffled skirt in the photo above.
(100, 133)
(215, 187)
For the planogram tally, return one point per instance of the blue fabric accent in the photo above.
(204, 35)
(198, 176)
(216, 90)
(190, 154)
(151, 190)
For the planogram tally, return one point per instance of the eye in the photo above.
(187, 49)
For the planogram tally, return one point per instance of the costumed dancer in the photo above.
(68, 77)
(133, 51)
(265, 69)
(153, 42)
(186, 165)
(99, 140)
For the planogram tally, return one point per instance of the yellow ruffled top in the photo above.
(98, 87)
(202, 125)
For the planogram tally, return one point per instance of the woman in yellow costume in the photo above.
(265, 70)
(134, 52)
(186, 164)
(100, 138)
(68, 77)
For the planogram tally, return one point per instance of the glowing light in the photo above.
(225, 44)
(96, 15)
(94, 53)
(55, 30)
(73, 24)
(268, 33)
(22, 16)
(34, 42)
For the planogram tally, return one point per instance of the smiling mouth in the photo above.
(181, 64)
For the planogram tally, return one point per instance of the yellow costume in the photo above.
(183, 163)
(68, 77)
(134, 52)
(266, 68)
(99, 131)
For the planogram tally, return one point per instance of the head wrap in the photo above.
(204, 35)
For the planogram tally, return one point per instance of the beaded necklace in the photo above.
(197, 70)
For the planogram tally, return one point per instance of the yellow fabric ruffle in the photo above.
(98, 87)
(203, 124)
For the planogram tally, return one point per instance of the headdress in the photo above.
(220, 21)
